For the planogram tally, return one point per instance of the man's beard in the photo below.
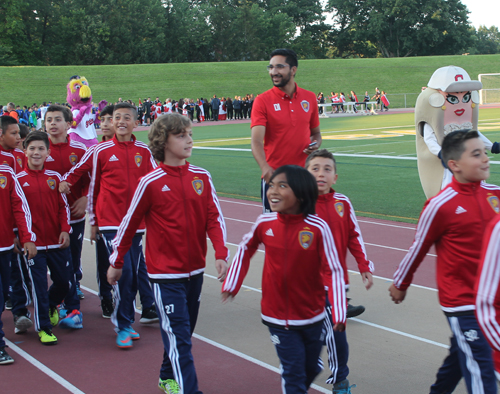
(284, 80)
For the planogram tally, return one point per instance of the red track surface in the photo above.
(89, 360)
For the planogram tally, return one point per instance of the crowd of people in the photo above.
(339, 99)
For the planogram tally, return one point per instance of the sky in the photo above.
(483, 12)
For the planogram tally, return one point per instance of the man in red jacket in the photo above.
(454, 221)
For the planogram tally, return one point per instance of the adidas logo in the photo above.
(270, 232)
(460, 210)
(165, 188)
(113, 158)
(49, 158)
(26, 184)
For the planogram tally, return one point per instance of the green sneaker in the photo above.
(169, 386)
(46, 337)
(54, 316)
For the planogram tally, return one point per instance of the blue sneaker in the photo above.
(134, 335)
(342, 387)
(123, 339)
(63, 312)
(74, 320)
(79, 293)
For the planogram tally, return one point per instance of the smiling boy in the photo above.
(454, 221)
(117, 166)
(51, 216)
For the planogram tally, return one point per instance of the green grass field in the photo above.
(26, 85)
(386, 188)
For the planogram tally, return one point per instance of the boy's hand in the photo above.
(64, 240)
(397, 295)
(64, 187)
(339, 327)
(221, 267)
(114, 275)
(17, 245)
(94, 231)
(367, 279)
(78, 207)
(30, 250)
(226, 296)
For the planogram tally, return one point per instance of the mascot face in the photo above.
(78, 92)
(458, 107)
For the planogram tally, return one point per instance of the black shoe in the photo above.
(107, 308)
(353, 311)
(149, 315)
(8, 304)
(4, 356)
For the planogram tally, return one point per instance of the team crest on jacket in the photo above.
(73, 159)
(20, 162)
(138, 160)
(52, 183)
(3, 182)
(339, 207)
(495, 203)
(197, 186)
(305, 105)
(305, 238)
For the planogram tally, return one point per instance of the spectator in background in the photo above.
(229, 108)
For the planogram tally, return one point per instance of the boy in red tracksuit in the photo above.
(51, 224)
(64, 155)
(180, 206)
(15, 210)
(11, 155)
(454, 221)
(73, 177)
(300, 258)
(487, 295)
(118, 165)
(336, 209)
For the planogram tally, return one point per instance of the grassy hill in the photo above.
(26, 85)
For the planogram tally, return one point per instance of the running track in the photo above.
(87, 361)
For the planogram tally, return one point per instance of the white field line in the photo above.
(43, 368)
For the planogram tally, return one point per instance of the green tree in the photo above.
(399, 28)
(486, 40)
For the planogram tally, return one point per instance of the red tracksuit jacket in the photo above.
(117, 167)
(336, 209)
(49, 208)
(181, 207)
(298, 252)
(15, 209)
(454, 221)
(487, 289)
(14, 158)
(63, 157)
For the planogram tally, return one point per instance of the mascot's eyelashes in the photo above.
(74, 77)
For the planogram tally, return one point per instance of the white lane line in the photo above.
(46, 370)
(225, 348)
(242, 203)
(391, 330)
(387, 224)
(251, 359)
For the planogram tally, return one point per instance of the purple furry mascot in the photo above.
(79, 97)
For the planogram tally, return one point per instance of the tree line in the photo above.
(95, 32)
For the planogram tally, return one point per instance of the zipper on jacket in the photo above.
(42, 210)
(480, 208)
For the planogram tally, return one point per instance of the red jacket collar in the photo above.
(175, 170)
(465, 188)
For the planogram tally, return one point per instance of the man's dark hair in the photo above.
(37, 136)
(6, 121)
(291, 56)
(303, 185)
(126, 105)
(324, 153)
(454, 144)
(108, 110)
